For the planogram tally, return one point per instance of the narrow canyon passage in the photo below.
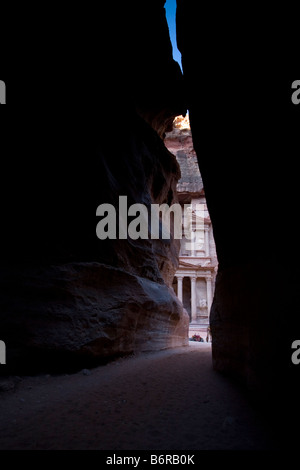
(169, 400)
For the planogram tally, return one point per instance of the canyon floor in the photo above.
(169, 400)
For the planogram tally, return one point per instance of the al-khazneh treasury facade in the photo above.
(195, 278)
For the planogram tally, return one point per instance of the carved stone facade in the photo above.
(194, 280)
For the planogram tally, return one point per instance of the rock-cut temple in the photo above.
(194, 280)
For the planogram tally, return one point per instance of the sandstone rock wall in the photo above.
(180, 143)
(68, 299)
(245, 132)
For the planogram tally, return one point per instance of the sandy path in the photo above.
(171, 400)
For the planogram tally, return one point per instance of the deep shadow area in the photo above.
(55, 362)
(165, 400)
(103, 90)
(238, 72)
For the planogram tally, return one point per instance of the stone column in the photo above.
(179, 288)
(193, 243)
(193, 298)
(208, 293)
(206, 240)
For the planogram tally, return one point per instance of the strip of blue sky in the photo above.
(170, 7)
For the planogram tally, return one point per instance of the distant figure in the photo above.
(197, 338)
(208, 335)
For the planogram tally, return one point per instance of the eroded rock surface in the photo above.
(236, 135)
(180, 143)
(68, 298)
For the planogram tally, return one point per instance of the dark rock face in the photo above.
(69, 315)
(67, 297)
(86, 298)
(245, 132)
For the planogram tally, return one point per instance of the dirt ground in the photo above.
(169, 400)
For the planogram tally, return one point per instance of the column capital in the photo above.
(179, 277)
(193, 278)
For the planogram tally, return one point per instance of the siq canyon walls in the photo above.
(245, 132)
(180, 143)
(68, 299)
